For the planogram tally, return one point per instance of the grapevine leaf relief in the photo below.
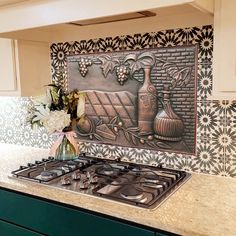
(163, 145)
(134, 65)
(151, 144)
(133, 129)
(134, 140)
(127, 136)
(136, 62)
(98, 137)
(99, 122)
(113, 120)
(180, 76)
(108, 64)
(147, 59)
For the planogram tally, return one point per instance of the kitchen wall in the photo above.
(216, 132)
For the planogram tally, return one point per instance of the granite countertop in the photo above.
(205, 205)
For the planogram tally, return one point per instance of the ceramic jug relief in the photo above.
(167, 124)
(147, 104)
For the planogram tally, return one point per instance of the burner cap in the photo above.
(47, 175)
(69, 166)
(108, 172)
(131, 193)
(71, 163)
(58, 171)
(151, 178)
(105, 170)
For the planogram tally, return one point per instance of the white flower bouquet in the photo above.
(55, 112)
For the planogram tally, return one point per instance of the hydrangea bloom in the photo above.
(56, 121)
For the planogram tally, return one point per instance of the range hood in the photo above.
(109, 19)
(40, 13)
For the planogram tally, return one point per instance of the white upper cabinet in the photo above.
(8, 78)
(24, 67)
(224, 56)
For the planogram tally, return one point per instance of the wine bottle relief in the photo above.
(147, 104)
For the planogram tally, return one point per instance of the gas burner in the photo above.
(47, 175)
(59, 171)
(71, 163)
(131, 193)
(151, 178)
(108, 172)
(82, 162)
(105, 170)
(154, 181)
(152, 185)
(69, 166)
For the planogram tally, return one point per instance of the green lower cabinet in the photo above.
(56, 220)
(162, 234)
(7, 229)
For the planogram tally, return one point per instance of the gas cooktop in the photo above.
(140, 185)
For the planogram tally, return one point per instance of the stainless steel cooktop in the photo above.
(140, 185)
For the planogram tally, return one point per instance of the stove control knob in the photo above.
(80, 164)
(38, 162)
(76, 175)
(65, 180)
(90, 173)
(83, 184)
(30, 165)
(22, 167)
(93, 179)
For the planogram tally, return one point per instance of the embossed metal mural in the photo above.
(141, 98)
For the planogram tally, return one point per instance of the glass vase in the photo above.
(65, 151)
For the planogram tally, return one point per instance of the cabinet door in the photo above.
(56, 220)
(224, 53)
(7, 229)
(166, 234)
(8, 70)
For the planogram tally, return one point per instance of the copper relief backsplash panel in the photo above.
(141, 98)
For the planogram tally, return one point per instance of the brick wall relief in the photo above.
(140, 98)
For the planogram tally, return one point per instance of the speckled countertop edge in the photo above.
(204, 205)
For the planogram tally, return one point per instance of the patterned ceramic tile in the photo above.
(204, 39)
(230, 164)
(204, 82)
(208, 158)
(188, 35)
(187, 163)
